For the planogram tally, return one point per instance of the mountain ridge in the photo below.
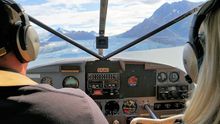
(161, 16)
(76, 35)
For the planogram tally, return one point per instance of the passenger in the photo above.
(204, 106)
(201, 53)
(22, 100)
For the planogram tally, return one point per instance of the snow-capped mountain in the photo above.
(76, 35)
(161, 16)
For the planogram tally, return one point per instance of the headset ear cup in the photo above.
(21, 36)
(27, 42)
(33, 43)
(190, 61)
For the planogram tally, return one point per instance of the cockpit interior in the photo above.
(122, 88)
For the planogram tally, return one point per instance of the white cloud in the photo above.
(52, 47)
(61, 13)
(127, 15)
(72, 14)
(75, 2)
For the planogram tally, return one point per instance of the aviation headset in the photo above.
(194, 50)
(25, 43)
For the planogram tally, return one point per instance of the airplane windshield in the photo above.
(126, 21)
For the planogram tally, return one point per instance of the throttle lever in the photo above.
(152, 114)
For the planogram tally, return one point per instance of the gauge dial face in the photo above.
(129, 107)
(71, 82)
(162, 76)
(132, 81)
(46, 80)
(111, 108)
(174, 76)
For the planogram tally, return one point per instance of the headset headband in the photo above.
(18, 9)
(209, 6)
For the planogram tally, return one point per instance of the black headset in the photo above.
(25, 43)
(194, 50)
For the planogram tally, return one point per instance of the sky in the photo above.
(83, 15)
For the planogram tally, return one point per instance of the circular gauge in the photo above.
(129, 107)
(174, 76)
(46, 80)
(71, 82)
(162, 76)
(132, 81)
(111, 108)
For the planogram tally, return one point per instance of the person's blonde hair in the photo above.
(203, 107)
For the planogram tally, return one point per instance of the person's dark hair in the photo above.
(6, 28)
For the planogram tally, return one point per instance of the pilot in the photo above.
(23, 101)
(204, 106)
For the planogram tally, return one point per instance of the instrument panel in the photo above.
(122, 89)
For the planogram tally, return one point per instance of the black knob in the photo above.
(184, 95)
(157, 106)
(173, 92)
(163, 95)
(167, 106)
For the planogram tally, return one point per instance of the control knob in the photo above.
(173, 92)
(184, 95)
(167, 106)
